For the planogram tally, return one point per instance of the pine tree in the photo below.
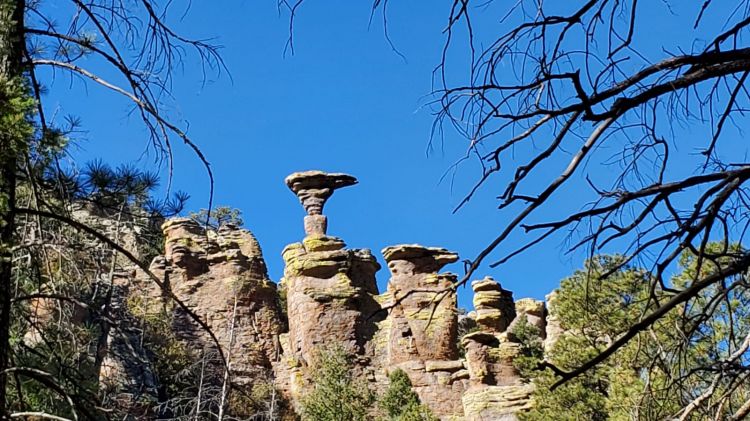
(336, 394)
(400, 402)
(669, 371)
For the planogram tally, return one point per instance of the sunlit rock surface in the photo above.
(331, 299)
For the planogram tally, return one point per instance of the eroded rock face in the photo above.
(222, 277)
(422, 325)
(330, 295)
(497, 403)
(332, 299)
(424, 320)
(497, 391)
(330, 290)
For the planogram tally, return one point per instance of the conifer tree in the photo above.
(336, 394)
(683, 367)
(136, 42)
(400, 402)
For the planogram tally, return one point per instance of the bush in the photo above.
(401, 403)
(335, 394)
(218, 217)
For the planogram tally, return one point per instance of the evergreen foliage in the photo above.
(218, 217)
(665, 370)
(335, 393)
(401, 403)
(531, 352)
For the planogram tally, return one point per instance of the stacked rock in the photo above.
(493, 305)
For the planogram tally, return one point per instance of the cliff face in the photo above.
(332, 299)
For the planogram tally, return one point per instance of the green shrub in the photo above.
(532, 347)
(335, 394)
(401, 403)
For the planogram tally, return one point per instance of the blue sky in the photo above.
(344, 102)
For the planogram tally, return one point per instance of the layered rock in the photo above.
(313, 188)
(497, 391)
(329, 289)
(423, 316)
(332, 300)
(422, 325)
(493, 306)
(330, 294)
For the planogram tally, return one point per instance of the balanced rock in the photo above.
(313, 188)
(493, 305)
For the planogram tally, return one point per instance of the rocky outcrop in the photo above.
(332, 300)
(422, 303)
(221, 275)
(422, 325)
(497, 391)
(330, 290)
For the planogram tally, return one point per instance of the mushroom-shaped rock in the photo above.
(414, 258)
(313, 188)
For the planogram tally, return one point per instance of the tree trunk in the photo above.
(11, 55)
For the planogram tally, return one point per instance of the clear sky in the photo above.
(344, 102)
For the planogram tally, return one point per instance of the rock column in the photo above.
(422, 326)
(329, 288)
(424, 321)
(496, 390)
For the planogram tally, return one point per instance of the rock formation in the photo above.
(493, 305)
(332, 299)
(422, 325)
(329, 289)
(222, 276)
(497, 391)
(313, 188)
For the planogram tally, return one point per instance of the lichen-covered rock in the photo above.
(331, 298)
(493, 305)
(497, 391)
(329, 295)
(422, 325)
(222, 274)
(424, 320)
(489, 358)
(497, 403)
(330, 290)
